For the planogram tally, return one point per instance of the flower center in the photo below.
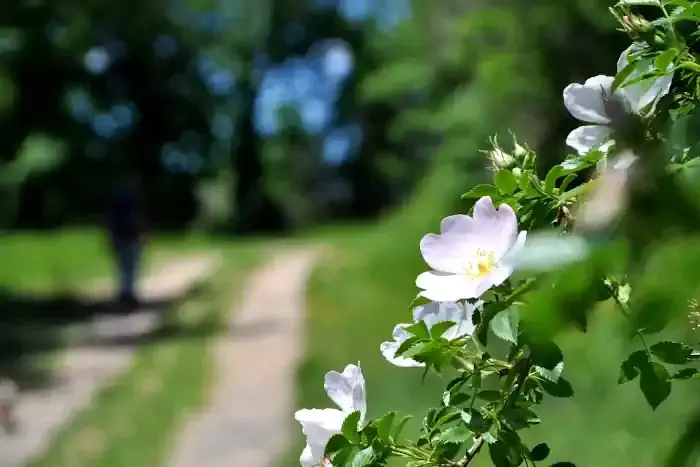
(482, 264)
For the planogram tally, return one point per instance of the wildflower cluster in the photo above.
(536, 255)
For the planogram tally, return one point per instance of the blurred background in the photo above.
(247, 128)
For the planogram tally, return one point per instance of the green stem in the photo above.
(527, 285)
(411, 453)
(512, 398)
(665, 12)
(624, 309)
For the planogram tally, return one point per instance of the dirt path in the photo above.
(248, 417)
(86, 366)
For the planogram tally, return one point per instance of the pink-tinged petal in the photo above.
(347, 389)
(444, 252)
(497, 228)
(519, 242)
(586, 102)
(505, 267)
(458, 224)
(388, 350)
(441, 287)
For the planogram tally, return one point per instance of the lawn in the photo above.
(53, 261)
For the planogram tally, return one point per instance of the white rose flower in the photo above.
(590, 103)
(347, 390)
(431, 314)
(466, 255)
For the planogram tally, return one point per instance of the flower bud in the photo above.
(636, 25)
(519, 152)
(501, 159)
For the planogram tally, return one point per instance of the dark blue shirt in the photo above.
(124, 216)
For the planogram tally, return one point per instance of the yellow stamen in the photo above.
(481, 265)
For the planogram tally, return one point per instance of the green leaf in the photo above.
(567, 181)
(445, 415)
(490, 310)
(624, 74)
(550, 180)
(551, 375)
(423, 348)
(574, 192)
(481, 191)
(562, 388)
(505, 325)
(456, 434)
(682, 3)
(505, 181)
(474, 419)
(419, 329)
(520, 417)
(505, 454)
(400, 426)
(384, 426)
(490, 436)
(524, 179)
(674, 353)
(440, 328)
(654, 383)
(544, 353)
(335, 444)
(563, 464)
(364, 458)
(686, 373)
(350, 427)
(342, 456)
(406, 345)
(630, 368)
(663, 61)
(539, 452)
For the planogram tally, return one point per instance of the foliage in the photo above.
(627, 235)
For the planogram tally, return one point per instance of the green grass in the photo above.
(132, 423)
(62, 259)
(66, 260)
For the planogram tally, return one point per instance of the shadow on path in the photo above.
(35, 325)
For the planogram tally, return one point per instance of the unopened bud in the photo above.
(501, 159)
(636, 24)
(519, 152)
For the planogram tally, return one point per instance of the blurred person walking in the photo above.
(125, 225)
(8, 402)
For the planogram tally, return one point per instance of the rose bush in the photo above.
(537, 255)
